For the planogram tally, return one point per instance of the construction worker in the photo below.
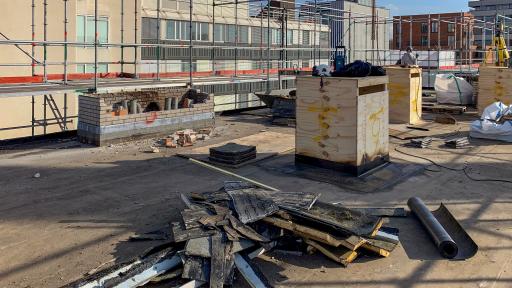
(409, 59)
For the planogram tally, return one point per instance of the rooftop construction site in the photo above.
(276, 143)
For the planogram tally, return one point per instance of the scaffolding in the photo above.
(273, 59)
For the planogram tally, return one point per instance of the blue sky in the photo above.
(408, 7)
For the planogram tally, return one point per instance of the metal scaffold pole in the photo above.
(158, 31)
(66, 40)
(122, 36)
(428, 47)
(45, 37)
(96, 46)
(269, 40)
(33, 38)
(236, 38)
(136, 40)
(191, 46)
(438, 41)
(314, 34)
(410, 31)
(213, 39)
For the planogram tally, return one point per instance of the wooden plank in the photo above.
(347, 220)
(350, 242)
(341, 255)
(245, 230)
(218, 261)
(382, 212)
(402, 135)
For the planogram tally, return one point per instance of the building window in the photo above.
(305, 38)
(324, 39)
(173, 30)
(149, 28)
(289, 37)
(451, 41)
(424, 27)
(89, 68)
(219, 32)
(276, 36)
(451, 27)
(85, 29)
(243, 34)
(424, 41)
(435, 27)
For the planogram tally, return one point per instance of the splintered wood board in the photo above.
(344, 121)
(268, 144)
(405, 94)
(494, 84)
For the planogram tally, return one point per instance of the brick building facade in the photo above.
(447, 31)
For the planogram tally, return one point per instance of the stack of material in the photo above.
(220, 232)
(241, 220)
(232, 153)
(457, 143)
(421, 142)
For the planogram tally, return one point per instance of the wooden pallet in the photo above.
(450, 109)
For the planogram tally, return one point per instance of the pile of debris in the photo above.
(225, 229)
(187, 137)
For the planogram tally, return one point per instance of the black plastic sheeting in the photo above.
(452, 241)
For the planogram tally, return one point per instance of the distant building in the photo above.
(447, 31)
(354, 32)
(485, 11)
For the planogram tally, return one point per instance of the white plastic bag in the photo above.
(487, 128)
(453, 90)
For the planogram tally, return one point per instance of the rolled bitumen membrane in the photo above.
(451, 239)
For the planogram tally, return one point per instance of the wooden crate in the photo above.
(405, 94)
(495, 84)
(342, 123)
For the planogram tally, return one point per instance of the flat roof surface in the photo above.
(89, 200)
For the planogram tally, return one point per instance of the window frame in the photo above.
(86, 18)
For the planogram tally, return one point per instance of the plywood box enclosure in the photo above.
(495, 84)
(405, 92)
(342, 123)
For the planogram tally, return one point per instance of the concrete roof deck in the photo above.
(88, 201)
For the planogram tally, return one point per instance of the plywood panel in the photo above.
(342, 120)
(405, 94)
(495, 84)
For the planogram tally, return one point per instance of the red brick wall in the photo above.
(443, 32)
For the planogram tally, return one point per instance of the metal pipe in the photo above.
(191, 46)
(33, 115)
(314, 33)
(33, 38)
(158, 31)
(410, 31)
(96, 46)
(213, 38)
(441, 238)
(66, 40)
(45, 35)
(44, 115)
(268, 47)
(136, 37)
(236, 38)
(122, 36)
